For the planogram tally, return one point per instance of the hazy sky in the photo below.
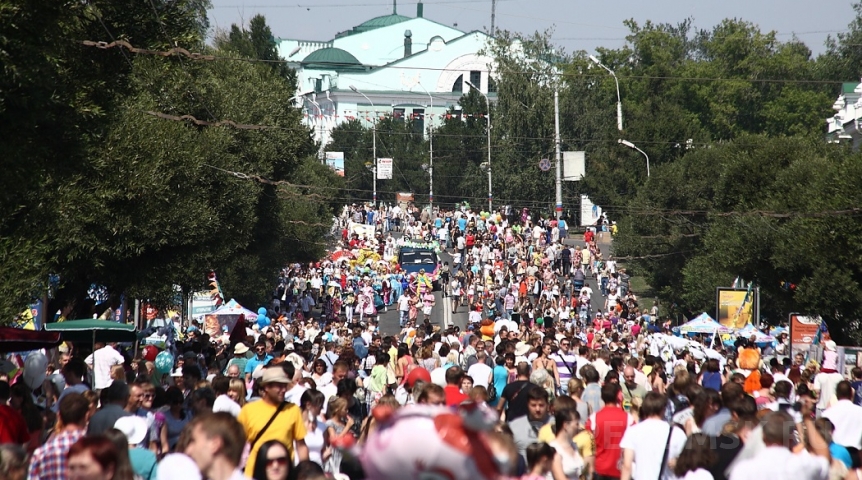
(578, 25)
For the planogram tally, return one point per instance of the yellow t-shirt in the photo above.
(286, 428)
(583, 439)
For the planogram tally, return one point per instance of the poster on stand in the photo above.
(384, 169)
(803, 331)
(736, 307)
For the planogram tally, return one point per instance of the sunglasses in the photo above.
(282, 461)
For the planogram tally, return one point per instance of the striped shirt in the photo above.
(567, 366)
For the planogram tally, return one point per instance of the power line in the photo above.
(331, 5)
(199, 56)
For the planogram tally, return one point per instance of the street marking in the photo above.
(447, 312)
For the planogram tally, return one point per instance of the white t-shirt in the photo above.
(223, 403)
(404, 303)
(480, 372)
(294, 395)
(101, 362)
(647, 439)
(825, 383)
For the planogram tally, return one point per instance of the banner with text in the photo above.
(803, 331)
(384, 169)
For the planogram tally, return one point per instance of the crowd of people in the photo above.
(548, 379)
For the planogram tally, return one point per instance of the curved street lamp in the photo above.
(633, 147)
(619, 100)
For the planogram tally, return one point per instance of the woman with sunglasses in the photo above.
(273, 462)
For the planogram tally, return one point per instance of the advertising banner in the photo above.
(590, 213)
(574, 166)
(384, 169)
(335, 161)
(202, 303)
(736, 308)
(803, 331)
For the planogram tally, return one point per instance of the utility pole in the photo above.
(493, 14)
(559, 180)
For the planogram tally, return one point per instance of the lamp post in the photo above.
(430, 152)
(374, 139)
(617, 82)
(633, 147)
(558, 183)
(320, 124)
(488, 119)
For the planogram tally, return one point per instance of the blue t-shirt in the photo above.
(462, 224)
(143, 463)
(840, 453)
(254, 362)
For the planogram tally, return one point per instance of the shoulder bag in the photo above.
(265, 427)
(666, 452)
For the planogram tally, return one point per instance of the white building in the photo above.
(407, 67)
(843, 127)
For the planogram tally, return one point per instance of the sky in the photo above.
(577, 25)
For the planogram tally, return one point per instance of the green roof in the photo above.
(375, 23)
(849, 87)
(331, 57)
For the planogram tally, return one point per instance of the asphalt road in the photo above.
(442, 315)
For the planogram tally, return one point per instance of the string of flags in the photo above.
(368, 116)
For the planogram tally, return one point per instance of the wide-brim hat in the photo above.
(133, 427)
(240, 349)
(521, 349)
(274, 375)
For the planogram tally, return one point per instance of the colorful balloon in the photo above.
(421, 441)
(164, 362)
(262, 321)
(34, 370)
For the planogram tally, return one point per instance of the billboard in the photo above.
(335, 161)
(384, 169)
(202, 303)
(803, 331)
(590, 214)
(574, 166)
(736, 307)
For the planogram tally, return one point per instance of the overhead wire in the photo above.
(597, 75)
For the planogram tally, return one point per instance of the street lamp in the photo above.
(633, 147)
(320, 124)
(374, 137)
(488, 103)
(617, 82)
(430, 152)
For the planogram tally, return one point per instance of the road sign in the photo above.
(545, 164)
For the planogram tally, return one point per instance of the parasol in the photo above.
(21, 340)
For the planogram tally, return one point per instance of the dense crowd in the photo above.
(549, 379)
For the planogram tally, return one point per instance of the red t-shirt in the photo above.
(454, 397)
(588, 236)
(13, 428)
(608, 426)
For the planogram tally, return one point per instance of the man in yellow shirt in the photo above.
(286, 426)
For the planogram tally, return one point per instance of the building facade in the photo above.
(843, 127)
(409, 67)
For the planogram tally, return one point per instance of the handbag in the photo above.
(265, 427)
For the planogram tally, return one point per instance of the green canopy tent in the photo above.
(91, 330)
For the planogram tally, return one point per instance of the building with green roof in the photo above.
(409, 67)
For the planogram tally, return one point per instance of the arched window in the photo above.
(458, 86)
